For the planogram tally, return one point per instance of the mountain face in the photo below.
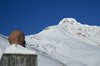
(88, 33)
(69, 44)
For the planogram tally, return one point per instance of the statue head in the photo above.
(17, 37)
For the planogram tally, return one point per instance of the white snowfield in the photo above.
(68, 43)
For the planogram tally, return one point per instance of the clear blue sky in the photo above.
(32, 16)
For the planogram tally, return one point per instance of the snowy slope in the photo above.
(3, 44)
(88, 33)
(69, 42)
(42, 60)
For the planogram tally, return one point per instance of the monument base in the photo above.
(19, 60)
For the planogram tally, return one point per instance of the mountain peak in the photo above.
(68, 20)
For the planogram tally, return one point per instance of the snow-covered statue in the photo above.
(17, 37)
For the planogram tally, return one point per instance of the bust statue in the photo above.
(17, 37)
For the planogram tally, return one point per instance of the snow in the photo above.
(1, 52)
(45, 61)
(3, 44)
(69, 43)
(15, 48)
(68, 20)
(42, 60)
(5, 47)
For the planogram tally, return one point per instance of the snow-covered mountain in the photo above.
(69, 43)
(88, 33)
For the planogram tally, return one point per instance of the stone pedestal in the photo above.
(19, 60)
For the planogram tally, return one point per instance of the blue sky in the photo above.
(32, 16)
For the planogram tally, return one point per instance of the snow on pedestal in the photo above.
(16, 48)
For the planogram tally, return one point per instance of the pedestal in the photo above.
(19, 60)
